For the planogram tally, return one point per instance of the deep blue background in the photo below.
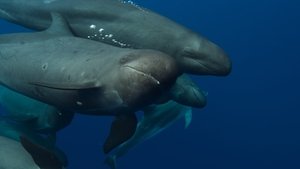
(252, 119)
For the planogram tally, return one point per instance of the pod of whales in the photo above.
(130, 27)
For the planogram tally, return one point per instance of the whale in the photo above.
(124, 25)
(88, 77)
(25, 154)
(37, 145)
(164, 116)
(40, 117)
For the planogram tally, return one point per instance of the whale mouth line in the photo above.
(199, 62)
(149, 76)
(193, 57)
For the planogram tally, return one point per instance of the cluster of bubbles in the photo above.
(99, 33)
(132, 3)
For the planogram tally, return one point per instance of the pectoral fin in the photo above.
(188, 118)
(122, 128)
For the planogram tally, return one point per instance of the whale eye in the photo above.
(127, 58)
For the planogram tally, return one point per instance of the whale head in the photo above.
(200, 56)
(146, 74)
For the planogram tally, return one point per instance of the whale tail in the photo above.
(111, 161)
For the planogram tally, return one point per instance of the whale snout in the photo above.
(203, 57)
(154, 66)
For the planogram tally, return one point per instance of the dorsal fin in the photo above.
(44, 158)
(59, 25)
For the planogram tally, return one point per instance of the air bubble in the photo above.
(92, 26)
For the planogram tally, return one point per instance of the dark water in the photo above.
(252, 119)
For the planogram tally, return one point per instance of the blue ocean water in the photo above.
(252, 119)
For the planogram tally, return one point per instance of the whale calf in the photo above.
(76, 74)
(125, 25)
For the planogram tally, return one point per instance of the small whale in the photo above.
(76, 74)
